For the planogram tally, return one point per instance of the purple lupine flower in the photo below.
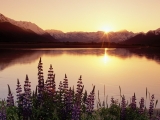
(18, 90)
(53, 83)
(50, 82)
(112, 101)
(76, 111)
(90, 102)
(65, 84)
(150, 112)
(45, 87)
(85, 97)
(65, 96)
(27, 97)
(69, 99)
(40, 78)
(27, 86)
(10, 99)
(77, 105)
(123, 108)
(133, 102)
(60, 86)
(79, 85)
(141, 108)
(3, 115)
(65, 89)
(68, 102)
(60, 92)
(79, 89)
(19, 94)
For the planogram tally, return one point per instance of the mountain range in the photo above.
(22, 31)
(98, 36)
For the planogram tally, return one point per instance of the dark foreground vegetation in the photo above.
(66, 103)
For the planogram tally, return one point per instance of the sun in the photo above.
(106, 29)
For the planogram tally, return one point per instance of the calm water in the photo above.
(132, 69)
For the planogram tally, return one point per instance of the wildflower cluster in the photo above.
(46, 102)
(66, 103)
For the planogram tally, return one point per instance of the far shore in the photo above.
(70, 45)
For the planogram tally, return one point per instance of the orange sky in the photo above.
(86, 15)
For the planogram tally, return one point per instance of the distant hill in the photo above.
(150, 38)
(18, 31)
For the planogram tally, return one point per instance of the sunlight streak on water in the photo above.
(106, 58)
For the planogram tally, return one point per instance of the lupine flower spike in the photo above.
(19, 94)
(40, 78)
(123, 108)
(112, 101)
(77, 105)
(133, 102)
(79, 88)
(27, 97)
(50, 82)
(10, 99)
(141, 108)
(150, 112)
(65, 84)
(90, 102)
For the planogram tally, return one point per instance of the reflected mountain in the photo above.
(149, 53)
(119, 52)
(9, 57)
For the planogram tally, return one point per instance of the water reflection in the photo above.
(9, 57)
(149, 53)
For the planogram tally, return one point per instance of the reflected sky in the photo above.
(132, 69)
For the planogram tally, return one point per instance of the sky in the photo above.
(86, 15)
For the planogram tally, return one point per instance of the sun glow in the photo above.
(106, 29)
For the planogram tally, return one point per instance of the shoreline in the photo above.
(70, 45)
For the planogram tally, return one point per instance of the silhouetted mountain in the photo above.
(150, 38)
(23, 24)
(49, 37)
(12, 33)
(20, 31)
(99, 36)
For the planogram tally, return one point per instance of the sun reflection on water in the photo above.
(105, 57)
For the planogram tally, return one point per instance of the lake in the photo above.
(132, 69)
